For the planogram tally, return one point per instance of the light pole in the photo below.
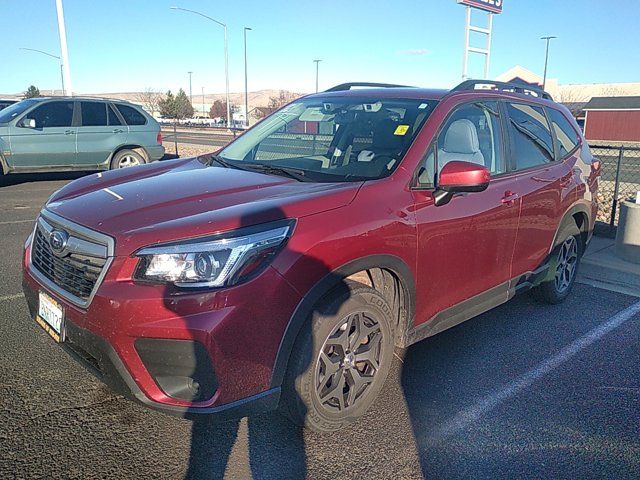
(226, 55)
(317, 62)
(546, 60)
(66, 71)
(190, 91)
(203, 103)
(246, 87)
(49, 55)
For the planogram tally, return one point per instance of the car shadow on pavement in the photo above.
(20, 178)
(498, 397)
(276, 446)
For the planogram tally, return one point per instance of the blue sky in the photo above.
(127, 45)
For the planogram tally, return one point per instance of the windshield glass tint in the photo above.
(14, 110)
(334, 139)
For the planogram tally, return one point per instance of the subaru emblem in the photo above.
(58, 241)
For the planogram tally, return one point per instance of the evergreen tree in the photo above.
(32, 92)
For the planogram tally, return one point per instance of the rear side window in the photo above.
(53, 114)
(567, 137)
(531, 140)
(94, 114)
(131, 115)
(113, 116)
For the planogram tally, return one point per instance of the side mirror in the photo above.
(458, 177)
(28, 123)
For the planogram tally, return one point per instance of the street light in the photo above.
(246, 87)
(226, 55)
(190, 91)
(52, 56)
(317, 63)
(546, 60)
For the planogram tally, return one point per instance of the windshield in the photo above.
(12, 111)
(333, 139)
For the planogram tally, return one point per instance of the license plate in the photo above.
(50, 316)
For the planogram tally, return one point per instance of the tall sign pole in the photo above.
(66, 71)
(491, 7)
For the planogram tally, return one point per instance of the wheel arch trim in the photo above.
(323, 286)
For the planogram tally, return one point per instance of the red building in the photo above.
(612, 119)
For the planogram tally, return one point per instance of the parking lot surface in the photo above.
(524, 391)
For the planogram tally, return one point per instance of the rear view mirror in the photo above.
(28, 123)
(458, 177)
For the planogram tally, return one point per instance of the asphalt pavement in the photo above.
(524, 391)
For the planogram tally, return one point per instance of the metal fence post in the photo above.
(616, 188)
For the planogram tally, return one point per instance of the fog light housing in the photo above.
(182, 369)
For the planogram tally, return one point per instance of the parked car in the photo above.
(4, 103)
(76, 133)
(283, 270)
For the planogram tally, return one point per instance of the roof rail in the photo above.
(503, 86)
(348, 86)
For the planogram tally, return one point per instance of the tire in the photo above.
(566, 260)
(325, 393)
(126, 158)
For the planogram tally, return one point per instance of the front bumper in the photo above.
(238, 331)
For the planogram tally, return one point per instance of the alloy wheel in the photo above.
(128, 161)
(348, 362)
(566, 264)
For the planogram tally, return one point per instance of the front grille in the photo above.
(77, 269)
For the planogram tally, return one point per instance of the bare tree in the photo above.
(150, 99)
(283, 98)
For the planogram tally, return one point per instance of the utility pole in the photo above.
(66, 75)
(190, 91)
(246, 85)
(546, 60)
(203, 114)
(317, 62)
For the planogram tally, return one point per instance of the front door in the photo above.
(52, 143)
(465, 248)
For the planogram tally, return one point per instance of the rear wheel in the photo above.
(127, 158)
(340, 361)
(567, 259)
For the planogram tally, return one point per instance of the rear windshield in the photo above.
(12, 111)
(334, 139)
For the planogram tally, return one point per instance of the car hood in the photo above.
(177, 199)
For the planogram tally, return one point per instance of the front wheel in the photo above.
(565, 268)
(127, 158)
(340, 360)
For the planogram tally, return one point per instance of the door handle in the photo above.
(509, 198)
(69, 132)
(117, 130)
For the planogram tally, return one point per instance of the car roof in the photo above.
(82, 98)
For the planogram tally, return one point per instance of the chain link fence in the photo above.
(619, 179)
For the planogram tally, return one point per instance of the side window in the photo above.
(131, 115)
(113, 117)
(53, 114)
(531, 140)
(567, 137)
(94, 114)
(472, 134)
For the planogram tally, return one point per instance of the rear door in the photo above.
(141, 131)
(52, 143)
(100, 132)
(465, 247)
(544, 184)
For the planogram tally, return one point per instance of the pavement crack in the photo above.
(77, 407)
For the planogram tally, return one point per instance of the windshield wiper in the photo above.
(220, 161)
(294, 173)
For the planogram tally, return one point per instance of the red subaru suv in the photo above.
(283, 270)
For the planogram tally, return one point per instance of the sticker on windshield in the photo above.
(401, 130)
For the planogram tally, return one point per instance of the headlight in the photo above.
(214, 262)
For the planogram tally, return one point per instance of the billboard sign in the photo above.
(493, 6)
